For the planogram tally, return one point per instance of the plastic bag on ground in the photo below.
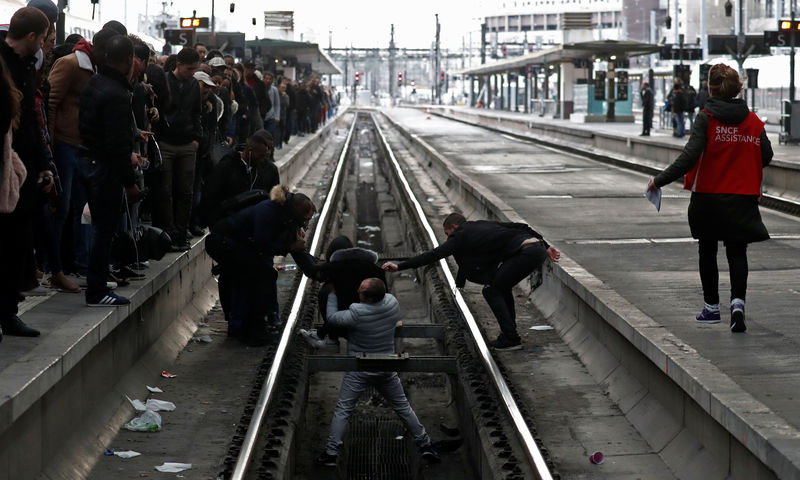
(148, 421)
(159, 405)
(155, 389)
(127, 454)
(137, 404)
(173, 467)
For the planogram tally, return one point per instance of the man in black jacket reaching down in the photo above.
(496, 254)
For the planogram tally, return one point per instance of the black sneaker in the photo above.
(326, 459)
(737, 317)
(16, 327)
(127, 273)
(430, 454)
(504, 344)
(180, 246)
(109, 299)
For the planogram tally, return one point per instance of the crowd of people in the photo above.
(103, 138)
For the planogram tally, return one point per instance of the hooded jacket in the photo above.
(722, 216)
(731, 112)
(370, 325)
(268, 226)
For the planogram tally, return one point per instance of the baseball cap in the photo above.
(216, 62)
(203, 77)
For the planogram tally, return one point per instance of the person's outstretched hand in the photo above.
(389, 267)
(651, 185)
(554, 254)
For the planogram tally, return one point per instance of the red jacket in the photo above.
(731, 162)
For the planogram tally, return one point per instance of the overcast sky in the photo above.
(361, 23)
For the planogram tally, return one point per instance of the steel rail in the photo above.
(529, 444)
(268, 389)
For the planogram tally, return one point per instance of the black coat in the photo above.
(27, 138)
(346, 270)
(180, 120)
(727, 217)
(106, 122)
(478, 248)
(230, 178)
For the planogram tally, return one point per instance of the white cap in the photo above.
(201, 76)
(216, 62)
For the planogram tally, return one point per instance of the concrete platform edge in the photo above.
(764, 434)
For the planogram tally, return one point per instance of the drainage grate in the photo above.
(376, 449)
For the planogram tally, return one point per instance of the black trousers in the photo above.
(246, 284)
(709, 273)
(647, 120)
(105, 204)
(498, 293)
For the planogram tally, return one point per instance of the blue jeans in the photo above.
(680, 126)
(271, 125)
(75, 194)
(388, 385)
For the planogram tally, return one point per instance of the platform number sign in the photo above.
(179, 37)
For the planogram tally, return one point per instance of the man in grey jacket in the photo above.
(371, 325)
(273, 117)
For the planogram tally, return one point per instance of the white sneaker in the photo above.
(311, 337)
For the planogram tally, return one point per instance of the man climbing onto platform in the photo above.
(496, 254)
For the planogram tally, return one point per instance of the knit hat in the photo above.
(46, 6)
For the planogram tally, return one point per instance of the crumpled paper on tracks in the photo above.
(173, 467)
(159, 405)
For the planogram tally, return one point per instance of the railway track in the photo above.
(457, 388)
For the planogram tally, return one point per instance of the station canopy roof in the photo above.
(304, 52)
(564, 53)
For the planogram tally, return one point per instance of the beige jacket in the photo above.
(67, 78)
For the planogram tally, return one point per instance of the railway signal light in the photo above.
(788, 25)
(441, 76)
(194, 22)
(729, 8)
(399, 78)
(233, 7)
(358, 77)
(505, 50)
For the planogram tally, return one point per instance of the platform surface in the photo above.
(597, 215)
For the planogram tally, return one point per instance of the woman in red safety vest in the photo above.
(722, 166)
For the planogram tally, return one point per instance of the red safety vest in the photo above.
(731, 162)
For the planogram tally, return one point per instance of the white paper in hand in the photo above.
(654, 197)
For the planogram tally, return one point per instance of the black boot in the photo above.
(16, 327)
